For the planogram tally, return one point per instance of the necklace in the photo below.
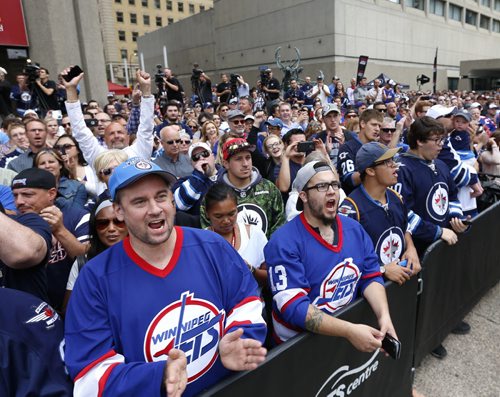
(233, 238)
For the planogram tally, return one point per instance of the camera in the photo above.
(159, 75)
(234, 78)
(264, 77)
(31, 71)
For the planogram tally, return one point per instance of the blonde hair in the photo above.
(103, 160)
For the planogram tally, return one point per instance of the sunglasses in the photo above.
(66, 125)
(236, 122)
(107, 171)
(197, 156)
(351, 116)
(102, 224)
(176, 141)
(381, 110)
(389, 130)
(186, 142)
(66, 146)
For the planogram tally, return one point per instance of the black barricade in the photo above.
(455, 278)
(315, 365)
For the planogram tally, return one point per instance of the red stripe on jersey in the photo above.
(104, 379)
(334, 248)
(371, 275)
(144, 265)
(84, 371)
(284, 307)
(236, 324)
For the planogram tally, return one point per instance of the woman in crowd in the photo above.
(248, 240)
(52, 129)
(105, 230)
(70, 152)
(195, 128)
(185, 142)
(104, 165)
(344, 100)
(209, 133)
(490, 158)
(18, 143)
(273, 148)
(68, 190)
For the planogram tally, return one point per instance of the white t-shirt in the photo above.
(252, 247)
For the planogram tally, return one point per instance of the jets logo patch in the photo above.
(437, 201)
(252, 214)
(192, 325)
(390, 245)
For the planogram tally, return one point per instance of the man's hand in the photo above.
(477, 190)
(364, 338)
(449, 236)
(144, 80)
(175, 375)
(457, 225)
(291, 150)
(321, 147)
(413, 264)
(71, 92)
(239, 354)
(202, 166)
(54, 217)
(136, 95)
(396, 273)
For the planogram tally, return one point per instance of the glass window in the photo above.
(131, 2)
(485, 3)
(170, 20)
(455, 12)
(124, 53)
(202, 8)
(436, 7)
(157, 4)
(119, 16)
(496, 26)
(191, 8)
(484, 22)
(419, 4)
(180, 7)
(169, 5)
(135, 35)
(133, 18)
(470, 17)
(395, 1)
(118, 1)
(158, 21)
(144, 3)
(145, 19)
(497, 5)
(121, 35)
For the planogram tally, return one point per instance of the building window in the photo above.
(437, 7)
(121, 35)
(157, 4)
(485, 3)
(455, 12)
(145, 19)
(471, 17)
(158, 21)
(395, 1)
(135, 35)
(119, 16)
(496, 26)
(202, 8)
(169, 5)
(170, 20)
(418, 4)
(133, 18)
(118, 1)
(124, 53)
(497, 5)
(484, 22)
(180, 6)
(191, 8)
(144, 3)
(131, 2)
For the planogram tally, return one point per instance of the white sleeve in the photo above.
(143, 144)
(259, 241)
(73, 274)
(89, 145)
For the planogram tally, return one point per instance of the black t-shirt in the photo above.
(273, 84)
(34, 279)
(205, 91)
(172, 94)
(45, 101)
(221, 87)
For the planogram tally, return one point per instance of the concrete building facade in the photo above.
(400, 38)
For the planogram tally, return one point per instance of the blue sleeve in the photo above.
(7, 198)
(190, 191)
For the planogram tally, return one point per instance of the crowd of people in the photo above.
(308, 199)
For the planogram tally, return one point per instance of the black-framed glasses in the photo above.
(101, 224)
(388, 163)
(324, 186)
(64, 147)
(236, 122)
(171, 142)
(107, 171)
(439, 141)
(197, 156)
(381, 110)
(186, 142)
(391, 130)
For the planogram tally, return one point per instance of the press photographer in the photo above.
(201, 85)
(168, 85)
(42, 89)
(270, 85)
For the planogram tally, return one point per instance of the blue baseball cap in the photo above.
(132, 170)
(373, 152)
(275, 123)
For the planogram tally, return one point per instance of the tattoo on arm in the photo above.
(314, 319)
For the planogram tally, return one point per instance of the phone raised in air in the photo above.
(306, 146)
(73, 72)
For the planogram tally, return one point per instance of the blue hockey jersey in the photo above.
(346, 164)
(386, 224)
(429, 190)
(125, 315)
(304, 269)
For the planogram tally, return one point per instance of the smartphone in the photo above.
(91, 122)
(391, 346)
(57, 114)
(403, 263)
(306, 147)
(467, 222)
(73, 72)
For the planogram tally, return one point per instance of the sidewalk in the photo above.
(472, 367)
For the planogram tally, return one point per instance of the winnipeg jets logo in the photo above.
(252, 214)
(338, 287)
(437, 201)
(192, 325)
(142, 165)
(390, 245)
(44, 313)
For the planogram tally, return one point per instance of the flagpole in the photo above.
(434, 72)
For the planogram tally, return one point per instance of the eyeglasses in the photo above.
(186, 142)
(439, 141)
(102, 224)
(66, 125)
(324, 186)
(176, 141)
(236, 122)
(273, 145)
(197, 156)
(103, 121)
(64, 147)
(193, 127)
(350, 116)
(381, 110)
(391, 130)
(224, 110)
(107, 171)
(388, 163)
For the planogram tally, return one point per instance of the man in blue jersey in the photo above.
(164, 301)
(320, 262)
(382, 213)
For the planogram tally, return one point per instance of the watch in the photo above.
(382, 269)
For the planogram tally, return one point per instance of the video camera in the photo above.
(159, 75)
(31, 71)
(264, 77)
